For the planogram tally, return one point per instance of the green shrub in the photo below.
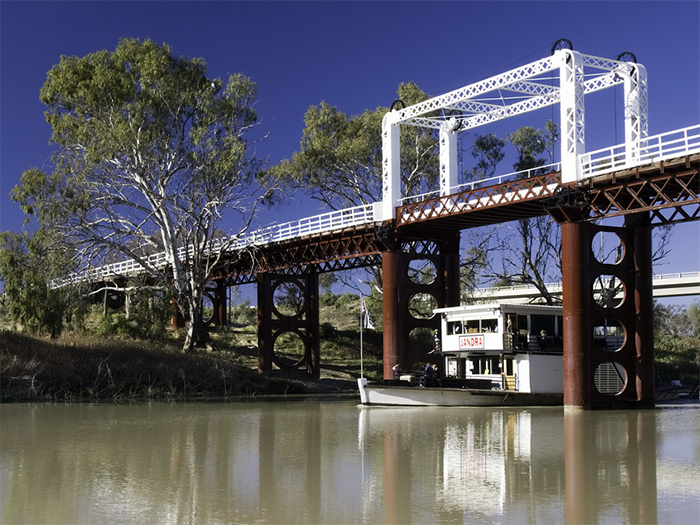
(677, 359)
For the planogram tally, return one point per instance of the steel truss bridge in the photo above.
(612, 186)
(647, 180)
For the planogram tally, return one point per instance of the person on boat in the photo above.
(430, 375)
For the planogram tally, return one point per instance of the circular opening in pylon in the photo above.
(207, 308)
(609, 335)
(288, 299)
(422, 340)
(421, 306)
(422, 271)
(610, 378)
(608, 248)
(289, 350)
(608, 291)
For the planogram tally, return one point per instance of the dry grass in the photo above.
(79, 369)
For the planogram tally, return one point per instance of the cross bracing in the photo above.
(564, 78)
(508, 94)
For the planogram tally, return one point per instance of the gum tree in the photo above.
(340, 158)
(152, 157)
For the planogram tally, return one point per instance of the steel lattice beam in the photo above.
(487, 201)
(669, 192)
(563, 78)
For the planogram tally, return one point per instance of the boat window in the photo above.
(484, 365)
(454, 327)
(540, 323)
(516, 323)
(608, 327)
(472, 326)
(489, 325)
(522, 323)
(451, 368)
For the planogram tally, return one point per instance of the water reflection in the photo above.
(474, 465)
(313, 462)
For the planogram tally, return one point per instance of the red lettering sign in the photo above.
(467, 342)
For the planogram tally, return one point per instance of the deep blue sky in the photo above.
(352, 55)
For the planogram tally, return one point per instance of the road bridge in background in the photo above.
(681, 284)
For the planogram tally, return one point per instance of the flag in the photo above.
(366, 319)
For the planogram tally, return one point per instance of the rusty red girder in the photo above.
(517, 199)
(334, 251)
(345, 245)
(668, 191)
(339, 250)
(669, 197)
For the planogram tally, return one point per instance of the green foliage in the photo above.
(677, 358)
(147, 320)
(674, 320)
(288, 298)
(243, 314)
(340, 157)
(327, 331)
(677, 343)
(327, 280)
(119, 370)
(530, 144)
(151, 156)
(26, 266)
(694, 318)
(488, 152)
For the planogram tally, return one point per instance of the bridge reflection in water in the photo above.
(538, 465)
(332, 462)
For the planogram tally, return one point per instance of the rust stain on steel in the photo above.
(575, 311)
(487, 205)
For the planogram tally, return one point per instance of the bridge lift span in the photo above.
(565, 77)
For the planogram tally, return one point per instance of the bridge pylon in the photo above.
(416, 272)
(279, 323)
(599, 375)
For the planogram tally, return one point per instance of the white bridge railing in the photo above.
(318, 224)
(665, 146)
(492, 181)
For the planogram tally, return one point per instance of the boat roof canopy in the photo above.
(496, 309)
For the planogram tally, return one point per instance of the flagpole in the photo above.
(362, 322)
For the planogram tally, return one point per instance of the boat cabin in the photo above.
(502, 346)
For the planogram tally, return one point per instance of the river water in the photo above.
(311, 462)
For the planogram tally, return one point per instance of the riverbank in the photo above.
(105, 369)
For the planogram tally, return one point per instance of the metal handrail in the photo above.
(492, 181)
(323, 223)
(556, 286)
(656, 148)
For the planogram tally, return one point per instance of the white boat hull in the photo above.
(373, 394)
